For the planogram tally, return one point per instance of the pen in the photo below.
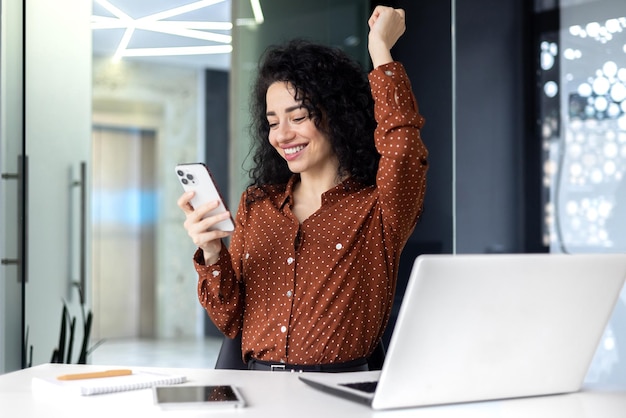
(94, 375)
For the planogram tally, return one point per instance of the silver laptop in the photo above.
(490, 326)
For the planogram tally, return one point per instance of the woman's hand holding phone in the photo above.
(200, 226)
(208, 219)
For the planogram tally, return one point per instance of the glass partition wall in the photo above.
(11, 187)
(581, 114)
(46, 124)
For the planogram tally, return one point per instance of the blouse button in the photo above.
(215, 273)
(339, 246)
(290, 260)
(283, 329)
(289, 293)
(247, 256)
(389, 73)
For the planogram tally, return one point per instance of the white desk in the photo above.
(281, 394)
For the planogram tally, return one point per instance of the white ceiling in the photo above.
(125, 13)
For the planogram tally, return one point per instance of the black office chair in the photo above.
(376, 360)
(230, 354)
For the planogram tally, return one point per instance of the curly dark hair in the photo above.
(335, 91)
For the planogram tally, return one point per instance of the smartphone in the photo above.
(197, 177)
(197, 397)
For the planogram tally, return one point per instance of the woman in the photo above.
(337, 188)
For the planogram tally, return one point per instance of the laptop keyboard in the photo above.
(367, 387)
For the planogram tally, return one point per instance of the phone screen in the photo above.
(197, 395)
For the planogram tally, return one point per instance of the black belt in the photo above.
(357, 365)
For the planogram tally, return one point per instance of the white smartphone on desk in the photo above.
(197, 397)
(197, 177)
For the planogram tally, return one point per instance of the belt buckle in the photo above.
(277, 367)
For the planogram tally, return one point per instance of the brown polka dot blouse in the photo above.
(321, 292)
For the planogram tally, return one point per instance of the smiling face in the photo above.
(294, 135)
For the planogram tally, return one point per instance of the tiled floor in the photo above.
(193, 353)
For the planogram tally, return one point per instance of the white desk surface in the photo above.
(281, 394)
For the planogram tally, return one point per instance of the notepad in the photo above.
(88, 387)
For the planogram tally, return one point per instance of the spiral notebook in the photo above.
(88, 387)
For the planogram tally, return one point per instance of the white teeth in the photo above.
(289, 151)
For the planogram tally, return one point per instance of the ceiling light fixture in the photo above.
(181, 50)
(257, 12)
(177, 11)
(123, 43)
(155, 23)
